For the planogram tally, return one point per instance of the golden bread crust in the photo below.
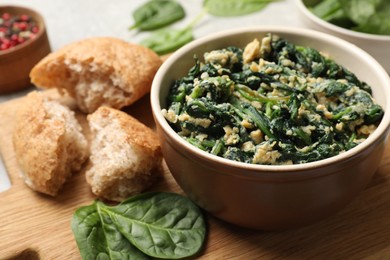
(125, 155)
(42, 149)
(136, 132)
(91, 68)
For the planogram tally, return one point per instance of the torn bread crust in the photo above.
(125, 155)
(49, 143)
(99, 71)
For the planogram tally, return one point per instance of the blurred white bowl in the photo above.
(376, 45)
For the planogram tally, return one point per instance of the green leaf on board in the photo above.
(97, 238)
(156, 224)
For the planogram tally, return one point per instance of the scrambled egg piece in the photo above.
(265, 154)
(251, 51)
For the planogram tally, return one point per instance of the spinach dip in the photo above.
(271, 103)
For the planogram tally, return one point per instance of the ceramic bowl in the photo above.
(16, 62)
(270, 197)
(376, 45)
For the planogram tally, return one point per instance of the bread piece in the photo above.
(48, 143)
(99, 71)
(125, 155)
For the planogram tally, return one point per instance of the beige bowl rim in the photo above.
(376, 136)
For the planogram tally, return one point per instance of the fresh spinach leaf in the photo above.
(89, 234)
(157, 14)
(158, 225)
(98, 238)
(162, 225)
(234, 7)
(379, 23)
(368, 16)
(327, 9)
(331, 11)
(359, 11)
(119, 247)
(168, 40)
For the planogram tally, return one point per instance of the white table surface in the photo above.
(71, 20)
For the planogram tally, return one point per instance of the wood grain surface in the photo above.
(35, 226)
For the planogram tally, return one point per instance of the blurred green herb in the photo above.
(368, 16)
(157, 14)
(167, 40)
(234, 7)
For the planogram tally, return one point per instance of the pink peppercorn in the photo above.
(16, 29)
(6, 16)
(24, 17)
(35, 29)
(22, 26)
(14, 37)
(5, 46)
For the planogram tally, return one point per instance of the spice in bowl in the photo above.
(23, 43)
(16, 29)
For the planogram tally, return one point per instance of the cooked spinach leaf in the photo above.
(157, 14)
(288, 105)
(158, 225)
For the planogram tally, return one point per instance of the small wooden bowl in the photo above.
(16, 62)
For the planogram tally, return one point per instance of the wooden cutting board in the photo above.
(35, 226)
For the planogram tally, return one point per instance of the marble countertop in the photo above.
(69, 21)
